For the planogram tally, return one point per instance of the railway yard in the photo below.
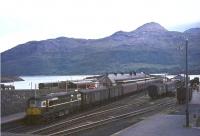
(105, 111)
(104, 120)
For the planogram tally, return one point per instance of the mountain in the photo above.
(149, 48)
(151, 27)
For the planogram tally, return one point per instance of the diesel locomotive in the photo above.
(52, 105)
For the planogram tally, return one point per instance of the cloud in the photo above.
(40, 19)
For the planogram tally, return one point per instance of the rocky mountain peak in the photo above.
(150, 27)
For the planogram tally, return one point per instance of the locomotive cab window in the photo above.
(43, 104)
(32, 103)
(52, 103)
(37, 103)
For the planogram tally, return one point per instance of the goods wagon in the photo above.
(94, 96)
(170, 88)
(181, 94)
(157, 90)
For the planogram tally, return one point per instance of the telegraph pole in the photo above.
(66, 85)
(186, 83)
(145, 82)
(35, 91)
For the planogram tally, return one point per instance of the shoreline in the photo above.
(9, 79)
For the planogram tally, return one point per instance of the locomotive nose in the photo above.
(33, 111)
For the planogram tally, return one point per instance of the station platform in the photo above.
(195, 97)
(160, 125)
(12, 117)
(168, 125)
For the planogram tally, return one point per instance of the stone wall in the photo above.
(15, 101)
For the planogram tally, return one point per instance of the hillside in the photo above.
(150, 48)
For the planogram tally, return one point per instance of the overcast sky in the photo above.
(25, 20)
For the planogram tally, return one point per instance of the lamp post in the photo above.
(186, 84)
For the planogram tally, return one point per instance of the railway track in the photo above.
(91, 121)
(137, 97)
(91, 115)
(90, 125)
(85, 120)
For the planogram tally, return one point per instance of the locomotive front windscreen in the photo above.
(37, 103)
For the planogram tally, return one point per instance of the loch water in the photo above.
(31, 82)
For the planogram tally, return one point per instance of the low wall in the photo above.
(15, 101)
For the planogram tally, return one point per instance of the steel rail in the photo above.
(108, 120)
(88, 115)
(26, 129)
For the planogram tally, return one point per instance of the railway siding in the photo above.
(103, 116)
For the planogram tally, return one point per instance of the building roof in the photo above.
(179, 77)
(121, 77)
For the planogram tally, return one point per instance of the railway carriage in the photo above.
(141, 85)
(115, 92)
(129, 88)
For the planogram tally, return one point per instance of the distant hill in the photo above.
(150, 48)
(7, 79)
